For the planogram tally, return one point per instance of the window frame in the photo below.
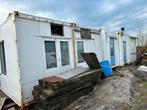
(46, 54)
(77, 51)
(3, 58)
(61, 53)
(54, 24)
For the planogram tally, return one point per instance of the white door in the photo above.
(64, 54)
(58, 55)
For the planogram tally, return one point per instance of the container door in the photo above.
(64, 55)
(124, 52)
(112, 51)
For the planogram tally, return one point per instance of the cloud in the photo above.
(107, 13)
(7, 7)
(46, 14)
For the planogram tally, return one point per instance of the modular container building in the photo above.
(33, 47)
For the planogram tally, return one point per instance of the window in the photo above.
(112, 50)
(85, 33)
(64, 52)
(2, 58)
(80, 49)
(50, 50)
(57, 29)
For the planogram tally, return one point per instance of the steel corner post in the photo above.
(104, 44)
(120, 49)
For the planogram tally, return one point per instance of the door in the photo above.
(64, 55)
(58, 55)
(124, 52)
(112, 51)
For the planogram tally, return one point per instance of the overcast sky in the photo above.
(111, 14)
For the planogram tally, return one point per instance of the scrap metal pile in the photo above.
(141, 56)
(55, 93)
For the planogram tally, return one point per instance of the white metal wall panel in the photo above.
(32, 52)
(67, 32)
(10, 83)
(44, 29)
(98, 46)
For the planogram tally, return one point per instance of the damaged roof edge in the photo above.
(33, 17)
(10, 15)
(130, 36)
(43, 19)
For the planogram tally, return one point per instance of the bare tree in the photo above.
(140, 32)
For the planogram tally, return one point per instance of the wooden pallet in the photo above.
(57, 94)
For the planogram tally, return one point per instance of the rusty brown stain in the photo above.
(53, 79)
(85, 33)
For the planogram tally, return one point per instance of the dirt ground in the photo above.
(125, 90)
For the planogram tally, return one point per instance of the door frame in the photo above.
(63, 68)
(112, 58)
(60, 68)
(124, 52)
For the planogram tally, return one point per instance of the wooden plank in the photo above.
(2, 100)
(9, 106)
(73, 72)
(61, 94)
(91, 60)
(3, 97)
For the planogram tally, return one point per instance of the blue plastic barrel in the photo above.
(106, 67)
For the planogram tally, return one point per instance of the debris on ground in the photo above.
(142, 68)
(113, 93)
(125, 90)
(140, 75)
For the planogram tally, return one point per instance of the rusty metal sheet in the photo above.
(53, 79)
(91, 60)
(85, 33)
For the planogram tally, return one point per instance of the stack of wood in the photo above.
(140, 54)
(144, 58)
(55, 93)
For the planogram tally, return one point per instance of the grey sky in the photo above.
(111, 14)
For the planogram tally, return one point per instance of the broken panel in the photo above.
(85, 33)
(57, 29)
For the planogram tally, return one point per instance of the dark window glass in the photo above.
(57, 29)
(50, 51)
(80, 49)
(64, 52)
(2, 58)
(112, 47)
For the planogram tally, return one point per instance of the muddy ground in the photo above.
(125, 90)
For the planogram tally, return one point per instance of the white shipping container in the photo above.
(33, 52)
